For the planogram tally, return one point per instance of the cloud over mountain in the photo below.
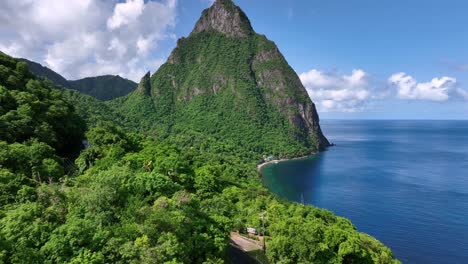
(79, 38)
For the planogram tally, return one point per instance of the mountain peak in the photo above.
(144, 87)
(224, 17)
(226, 75)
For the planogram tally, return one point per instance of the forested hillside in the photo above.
(42, 71)
(106, 87)
(134, 199)
(163, 178)
(226, 81)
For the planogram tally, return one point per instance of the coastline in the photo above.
(262, 165)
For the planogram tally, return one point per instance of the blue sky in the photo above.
(384, 59)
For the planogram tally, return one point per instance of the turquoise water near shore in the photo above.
(403, 182)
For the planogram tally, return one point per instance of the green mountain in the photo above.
(42, 71)
(233, 84)
(106, 87)
(169, 171)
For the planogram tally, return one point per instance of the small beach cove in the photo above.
(276, 161)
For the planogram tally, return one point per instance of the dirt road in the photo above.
(241, 247)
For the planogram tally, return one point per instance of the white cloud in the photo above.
(125, 13)
(79, 38)
(144, 45)
(335, 92)
(438, 89)
(117, 47)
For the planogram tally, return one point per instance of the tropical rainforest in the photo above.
(164, 174)
(106, 87)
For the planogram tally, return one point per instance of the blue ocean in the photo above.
(403, 182)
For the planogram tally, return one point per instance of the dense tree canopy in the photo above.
(140, 198)
(103, 88)
(39, 129)
(32, 108)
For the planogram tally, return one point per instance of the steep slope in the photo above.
(228, 82)
(139, 110)
(42, 71)
(90, 109)
(106, 87)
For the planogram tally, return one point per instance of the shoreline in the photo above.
(263, 164)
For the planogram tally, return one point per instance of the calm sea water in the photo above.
(403, 182)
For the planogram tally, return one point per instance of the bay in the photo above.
(403, 182)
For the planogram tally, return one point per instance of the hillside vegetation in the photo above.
(214, 84)
(104, 88)
(169, 170)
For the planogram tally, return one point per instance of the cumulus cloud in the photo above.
(355, 92)
(438, 89)
(78, 38)
(335, 92)
(125, 13)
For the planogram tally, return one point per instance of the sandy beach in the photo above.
(261, 165)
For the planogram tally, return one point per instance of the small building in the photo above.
(251, 230)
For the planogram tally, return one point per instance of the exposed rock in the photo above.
(226, 18)
(288, 93)
(144, 87)
(266, 55)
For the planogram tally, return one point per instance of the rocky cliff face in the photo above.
(224, 71)
(226, 18)
(286, 91)
(144, 87)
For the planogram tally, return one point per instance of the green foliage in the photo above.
(207, 180)
(169, 171)
(32, 108)
(105, 87)
(309, 235)
(142, 200)
(138, 105)
(91, 109)
(26, 164)
(226, 104)
(44, 72)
